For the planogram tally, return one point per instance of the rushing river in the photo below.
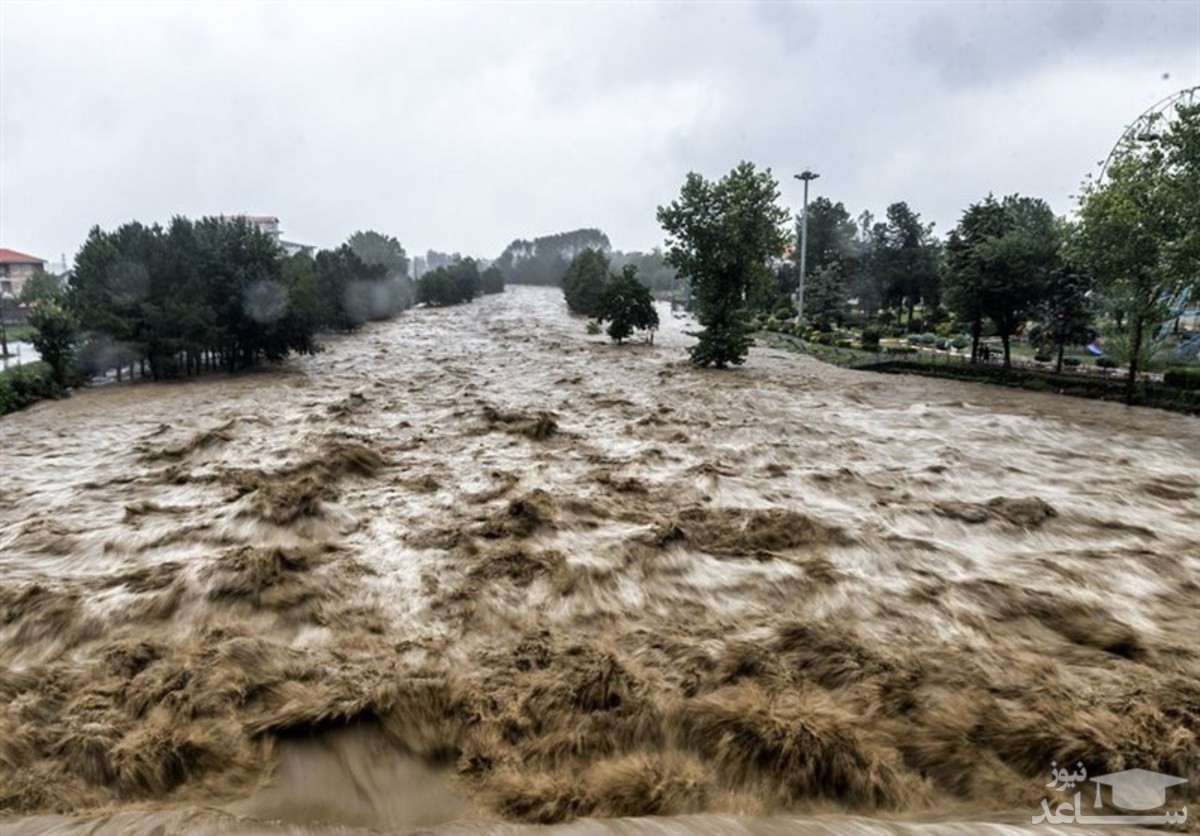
(474, 569)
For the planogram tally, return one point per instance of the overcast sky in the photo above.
(461, 127)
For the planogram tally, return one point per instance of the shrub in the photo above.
(593, 326)
(1042, 357)
(1071, 361)
(928, 339)
(845, 344)
(900, 349)
(914, 339)
(1106, 363)
(870, 339)
(942, 344)
(23, 385)
(960, 343)
(1185, 378)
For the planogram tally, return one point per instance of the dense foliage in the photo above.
(583, 284)
(453, 285)
(1139, 232)
(1001, 259)
(215, 293)
(55, 335)
(491, 280)
(21, 386)
(721, 237)
(627, 305)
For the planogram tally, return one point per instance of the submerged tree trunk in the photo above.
(1005, 338)
(1062, 345)
(976, 330)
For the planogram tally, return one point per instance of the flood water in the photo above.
(473, 570)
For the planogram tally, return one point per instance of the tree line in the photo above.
(458, 282)
(1010, 266)
(215, 293)
(592, 289)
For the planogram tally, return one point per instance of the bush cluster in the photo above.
(22, 385)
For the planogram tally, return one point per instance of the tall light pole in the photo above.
(805, 176)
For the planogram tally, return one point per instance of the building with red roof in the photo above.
(16, 268)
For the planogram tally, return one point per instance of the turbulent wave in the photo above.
(475, 566)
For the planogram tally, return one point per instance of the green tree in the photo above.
(55, 335)
(450, 285)
(907, 260)
(41, 285)
(627, 305)
(1138, 233)
(395, 292)
(966, 267)
(832, 256)
(1064, 314)
(584, 282)
(720, 237)
(491, 280)
(825, 296)
(1020, 263)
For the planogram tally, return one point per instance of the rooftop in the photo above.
(14, 257)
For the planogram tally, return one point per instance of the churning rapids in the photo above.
(473, 569)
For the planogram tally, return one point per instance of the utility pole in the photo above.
(805, 176)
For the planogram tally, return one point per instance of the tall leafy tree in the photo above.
(627, 305)
(584, 282)
(720, 237)
(1138, 232)
(376, 249)
(55, 335)
(1064, 314)
(967, 269)
(1020, 264)
(906, 260)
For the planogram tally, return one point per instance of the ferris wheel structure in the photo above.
(1151, 124)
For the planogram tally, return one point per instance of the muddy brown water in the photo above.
(473, 570)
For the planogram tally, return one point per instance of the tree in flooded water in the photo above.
(212, 293)
(377, 249)
(627, 305)
(583, 285)
(721, 236)
(453, 285)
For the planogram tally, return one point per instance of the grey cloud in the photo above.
(462, 126)
(972, 45)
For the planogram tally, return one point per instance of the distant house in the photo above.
(16, 269)
(270, 225)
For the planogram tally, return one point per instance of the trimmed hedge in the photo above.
(21, 386)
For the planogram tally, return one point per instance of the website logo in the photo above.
(1137, 790)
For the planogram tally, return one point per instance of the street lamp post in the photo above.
(805, 176)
